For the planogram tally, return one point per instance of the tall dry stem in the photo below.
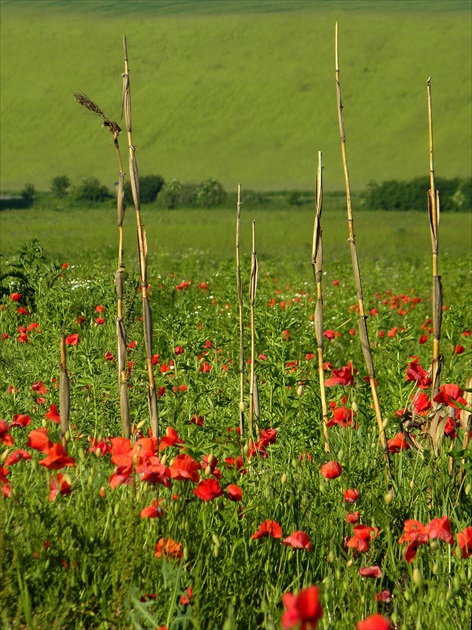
(253, 389)
(142, 248)
(115, 130)
(64, 392)
(363, 333)
(317, 266)
(241, 320)
(433, 208)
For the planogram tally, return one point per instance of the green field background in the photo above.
(239, 91)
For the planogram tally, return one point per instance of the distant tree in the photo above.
(60, 186)
(210, 193)
(91, 190)
(149, 187)
(28, 193)
(171, 194)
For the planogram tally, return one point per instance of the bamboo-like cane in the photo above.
(433, 208)
(465, 419)
(253, 389)
(317, 266)
(120, 328)
(142, 248)
(64, 393)
(241, 321)
(363, 333)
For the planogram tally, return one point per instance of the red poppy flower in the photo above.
(331, 334)
(153, 471)
(440, 528)
(38, 439)
(109, 356)
(80, 320)
(342, 416)
(185, 467)
(363, 534)
(32, 326)
(197, 420)
(268, 528)
(53, 414)
(178, 350)
(185, 599)
(59, 484)
(269, 436)
(205, 367)
(398, 443)
(450, 395)
(459, 350)
(352, 518)
(302, 611)
(17, 456)
(122, 476)
(208, 489)
(23, 311)
(100, 309)
(5, 437)
(383, 596)
(73, 340)
(373, 572)
(99, 321)
(57, 458)
(374, 622)
(155, 359)
(232, 462)
(351, 495)
(99, 448)
(169, 548)
(39, 388)
(20, 420)
(170, 439)
(331, 470)
(414, 372)
(234, 492)
(342, 377)
(298, 540)
(153, 511)
(15, 297)
(422, 404)
(182, 285)
(464, 540)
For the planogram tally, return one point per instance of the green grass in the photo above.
(238, 97)
(77, 234)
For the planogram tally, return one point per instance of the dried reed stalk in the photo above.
(142, 248)
(363, 333)
(433, 208)
(253, 389)
(465, 420)
(115, 130)
(317, 266)
(64, 393)
(241, 322)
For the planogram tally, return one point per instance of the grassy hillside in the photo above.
(243, 95)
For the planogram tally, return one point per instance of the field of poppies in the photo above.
(204, 527)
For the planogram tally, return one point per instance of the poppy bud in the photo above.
(388, 498)
(283, 479)
(185, 553)
(140, 424)
(412, 484)
(215, 539)
(327, 582)
(117, 509)
(300, 390)
(211, 457)
(435, 568)
(340, 454)
(349, 563)
(90, 480)
(82, 454)
(164, 458)
(418, 578)
(216, 551)
(246, 449)
(67, 436)
(457, 582)
(434, 544)
(468, 489)
(44, 423)
(207, 471)
(241, 406)
(354, 406)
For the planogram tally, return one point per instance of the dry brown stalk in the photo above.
(363, 333)
(253, 389)
(64, 393)
(433, 208)
(115, 130)
(241, 322)
(317, 265)
(465, 422)
(142, 248)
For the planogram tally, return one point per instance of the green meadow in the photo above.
(238, 91)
